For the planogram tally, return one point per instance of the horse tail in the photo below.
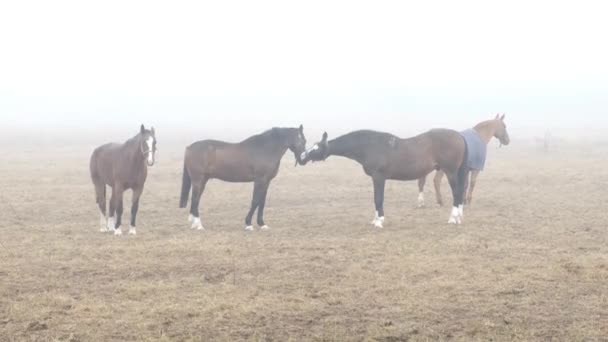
(186, 185)
(463, 173)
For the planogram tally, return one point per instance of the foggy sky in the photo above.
(227, 68)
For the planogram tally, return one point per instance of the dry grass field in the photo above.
(529, 263)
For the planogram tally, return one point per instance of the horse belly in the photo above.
(234, 171)
(411, 168)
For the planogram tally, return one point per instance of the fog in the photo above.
(227, 69)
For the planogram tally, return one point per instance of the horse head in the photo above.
(500, 130)
(297, 143)
(148, 144)
(319, 151)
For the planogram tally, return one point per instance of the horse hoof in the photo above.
(420, 200)
(249, 228)
(197, 224)
(132, 231)
(117, 232)
(455, 220)
(264, 227)
(378, 223)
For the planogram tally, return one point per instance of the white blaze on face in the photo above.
(314, 148)
(150, 142)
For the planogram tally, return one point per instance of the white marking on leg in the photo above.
(190, 218)
(420, 199)
(132, 230)
(378, 221)
(461, 211)
(102, 223)
(197, 224)
(111, 224)
(454, 216)
(375, 218)
(264, 227)
(249, 228)
(118, 231)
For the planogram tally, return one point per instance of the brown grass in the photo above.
(530, 262)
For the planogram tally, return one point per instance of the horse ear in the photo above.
(142, 129)
(324, 137)
(497, 115)
(502, 117)
(301, 128)
(153, 131)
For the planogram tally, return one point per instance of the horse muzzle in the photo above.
(151, 161)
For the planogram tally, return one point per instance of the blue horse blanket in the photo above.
(476, 149)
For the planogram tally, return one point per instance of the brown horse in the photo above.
(486, 130)
(385, 156)
(256, 159)
(122, 167)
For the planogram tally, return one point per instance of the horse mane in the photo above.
(356, 140)
(366, 134)
(133, 140)
(484, 124)
(271, 134)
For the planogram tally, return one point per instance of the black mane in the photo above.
(273, 134)
(357, 141)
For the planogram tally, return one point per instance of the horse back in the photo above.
(229, 162)
(102, 163)
(448, 148)
(109, 165)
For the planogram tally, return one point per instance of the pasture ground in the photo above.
(529, 263)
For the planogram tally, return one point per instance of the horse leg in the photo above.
(437, 182)
(134, 208)
(472, 184)
(379, 184)
(261, 206)
(421, 183)
(119, 209)
(255, 202)
(455, 215)
(111, 224)
(197, 192)
(100, 192)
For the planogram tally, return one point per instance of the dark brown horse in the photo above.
(385, 156)
(486, 130)
(255, 159)
(122, 167)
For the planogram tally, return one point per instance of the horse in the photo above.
(255, 159)
(387, 157)
(485, 131)
(122, 167)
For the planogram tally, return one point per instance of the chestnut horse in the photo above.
(385, 156)
(486, 130)
(122, 167)
(256, 159)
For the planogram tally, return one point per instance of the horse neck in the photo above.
(486, 130)
(273, 147)
(340, 147)
(133, 149)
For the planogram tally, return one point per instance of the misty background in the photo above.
(228, 69)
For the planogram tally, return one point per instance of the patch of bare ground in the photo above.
(530, 262)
